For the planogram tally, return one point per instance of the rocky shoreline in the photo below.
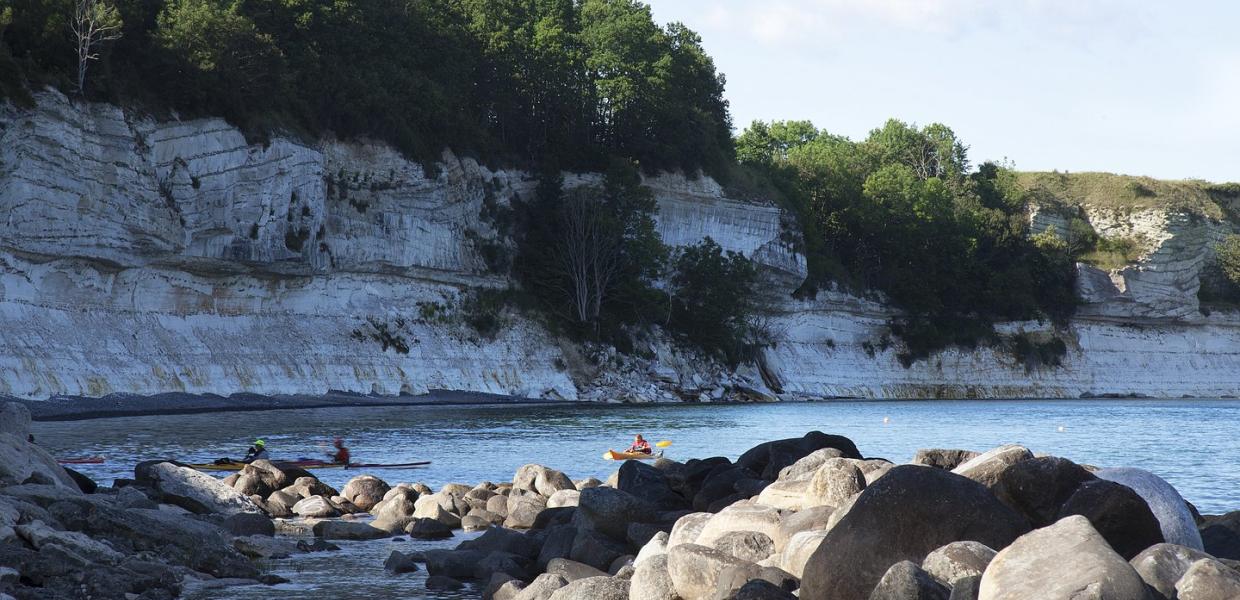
(806, 517)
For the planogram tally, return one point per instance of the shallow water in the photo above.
(1191, 443)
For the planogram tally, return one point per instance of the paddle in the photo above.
(664, 443)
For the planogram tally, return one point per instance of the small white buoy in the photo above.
(1061, 429)
(886, 420)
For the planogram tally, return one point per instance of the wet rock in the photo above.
(1118, 513)
(573, 570)
(957, 560)
(40, 536)
(428, 529)
(1037, 565)
(497, 539)
(315, 507)
(501, 562)
(249, 524)
(594, 588)
(986, 468)
(1175, 520)
(749, 546)
(365, 491)
(263, 546)
(195, 491)
(651, 580)
(904, 516)
(542, 587)
(835, 481)
(399, 562)
(1038, 487)
(1162, 565)
(906, 581)
(348, 530)
(1208, 579)
(443, 583)
(457, 564)
(695, 569)
(472, 522)
(943, 458)
(1221, 535)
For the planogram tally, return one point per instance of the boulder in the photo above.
(986, 468)
(836, 480)
(656, 546)
(587, 483)
(399, 562)
(904, 516)
(594, 588)
(688, 528)
(557, 544)
(21, 462)
(769, 458)
(85, 484)
(1038, 487)
(650, 484)
(611, 510)
(1065, 561)
(804, 468)
(1162, 565)
(432, 507)
(541, 480)
(810, 519)
(315, 507)
(458, 564)
(307, 486)
(907, 581)
(498, 505)
(485, 515)
(720, 486)
(1221, 535)
(428, 529)
(957, 560)
(651, 580)
(501, 562)
(264, 546)
(280, 504)
(1118, 513)
(365, 491)
(637, 534)
(758, 518)
(498, 539)
(40, 536)
(195, 491)
(249, 524)
(749, 546)
(471, 522)
(14, 419)
(1174, 518)
(875, 474)
(542, 587)
(786, 495)
(619, 565)
(595, 549)
(1208, 579)
(760, 589)
(943, 458)
(563, 498)
(502, 587)
(969, 588)
(695, 569)
(800, 548)
(347, 530)
(572, 570)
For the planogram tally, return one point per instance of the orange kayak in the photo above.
(613, 455)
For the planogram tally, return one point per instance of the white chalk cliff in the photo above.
(147, 256)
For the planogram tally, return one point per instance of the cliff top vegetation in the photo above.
(1129, 193)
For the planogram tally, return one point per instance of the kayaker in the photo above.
(341, 455)
(640, 445)
(256, 452)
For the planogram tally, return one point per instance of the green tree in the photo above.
(223, 46)
(713, 300)
(1228, 257)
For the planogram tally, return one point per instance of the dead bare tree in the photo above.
(94, 23)
(589, 253)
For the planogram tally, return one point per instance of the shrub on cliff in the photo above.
(713, 299)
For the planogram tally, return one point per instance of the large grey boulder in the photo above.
(1065, 561)
(572, 570)
(650, 484)
(803, 470)
(196, 491)
(656, 546)
(688, 528)
(315, 507)
(1118, 513)
(39, 535)
(541, 480)
(810, 519)
(769, 458)
(347, 530)
(365, 491)
(987, 467)
(1038, 487)
(1178, 525)
(523, 508)
(14, 419)
(835, 481)
(943, 458)
(1221, 535)
(1162, 565)
(801, 547)
(749, 546)
(595, 549)
(651, 580)
(740, 517)
(610, 510)
(457, 564)
(594, 588)
(910, 512)
(22, 461)
(1208, 579)
(956, 561)
(542, 587)
(695, 570)
(787, 495)
(907, 581)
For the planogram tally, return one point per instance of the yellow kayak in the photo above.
(613, 455)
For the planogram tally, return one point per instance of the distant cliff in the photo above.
(148, 256)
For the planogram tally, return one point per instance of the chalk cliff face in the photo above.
(147, 256)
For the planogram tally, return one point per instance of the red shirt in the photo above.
(640, 446)
(341, 457)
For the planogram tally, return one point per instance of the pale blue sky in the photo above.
(1138, 87)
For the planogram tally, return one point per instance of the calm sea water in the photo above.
(1194, 444)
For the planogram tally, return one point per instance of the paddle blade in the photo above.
(664, 443)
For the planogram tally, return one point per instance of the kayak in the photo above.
(308, 464)
(613, 455)
(81, 460)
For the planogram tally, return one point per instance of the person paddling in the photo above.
(341, 455)
(640, 445)
(256, 452)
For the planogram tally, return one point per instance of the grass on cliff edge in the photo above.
(1128, 193)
